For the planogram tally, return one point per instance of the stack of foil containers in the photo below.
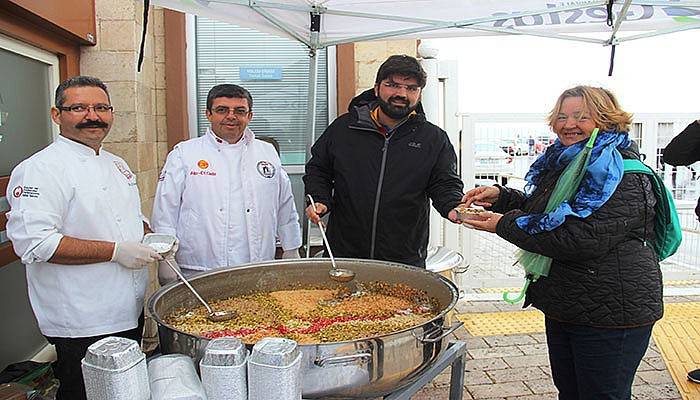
(274, 370)
(223, 369)
(114, 368)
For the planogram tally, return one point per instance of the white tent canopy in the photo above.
(346, 21)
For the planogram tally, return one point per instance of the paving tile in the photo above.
(645, 366)
(541, 386)
(527, 361)
(485, 364)
(546, 396)
(532, 349)
(655, 392)
(438, 393)
(656, 363)
(655, 377)
(638, 380)
(495, 352)
(498, 390)
(509, 340)
(476, 307)
(477, 343)
(539, 337)
(517, 374)
(470, 378)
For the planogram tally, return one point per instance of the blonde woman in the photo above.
(603, 293)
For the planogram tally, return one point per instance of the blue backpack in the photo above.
(666, 225)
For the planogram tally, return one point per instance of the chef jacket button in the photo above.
(104, 188)
(221, 210)
(248, 210)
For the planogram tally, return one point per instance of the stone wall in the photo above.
(139, 131)
(370, 55)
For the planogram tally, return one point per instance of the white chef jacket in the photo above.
(197, 201)
(66, 189)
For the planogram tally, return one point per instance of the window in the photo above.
(29, 77)
(276, 73)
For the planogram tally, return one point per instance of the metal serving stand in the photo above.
(455, 356)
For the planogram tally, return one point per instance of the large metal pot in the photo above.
(359, 368)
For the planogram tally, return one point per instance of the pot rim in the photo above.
(172, 285)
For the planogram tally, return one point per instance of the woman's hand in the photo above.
(484, 196)
(488, 223)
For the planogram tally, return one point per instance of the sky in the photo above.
(527, 74)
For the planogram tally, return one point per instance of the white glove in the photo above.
(289, 254)
(165, 273)
(134, 255)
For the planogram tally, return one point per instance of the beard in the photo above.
(394, 111)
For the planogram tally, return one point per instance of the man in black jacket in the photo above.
(376, 167)
(684, 149)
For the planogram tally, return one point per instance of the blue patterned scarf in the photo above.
(602, 176)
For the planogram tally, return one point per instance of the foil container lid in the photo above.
(113, 353)
(278, 352)
(226, 351)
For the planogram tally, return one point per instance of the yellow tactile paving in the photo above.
(503, 323)
(497, 289)
(677, 336)
(682, 283)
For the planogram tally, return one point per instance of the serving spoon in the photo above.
(337, 274)
(163, 248)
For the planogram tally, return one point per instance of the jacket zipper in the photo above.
(376, 199)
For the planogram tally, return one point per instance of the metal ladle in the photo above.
(215, 316)
(336, 274)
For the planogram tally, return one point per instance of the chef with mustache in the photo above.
(75, 220)
(376, 168)
(225, 195)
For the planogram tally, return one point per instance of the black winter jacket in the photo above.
(377, 189)
(603, 274)
(684, 149)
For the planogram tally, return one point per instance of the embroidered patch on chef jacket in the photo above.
(25, 191)
(125, 171)
(161, 177)
(203, 164)
(266, 169)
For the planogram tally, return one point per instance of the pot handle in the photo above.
(445, 332)
(322, 362)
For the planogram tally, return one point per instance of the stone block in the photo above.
(140, 127)
(144, 102)
(517, 374)
(366, 72)
(147, 184)
(161, 128)
(159, 48)
(156, 21)
(147, 156)
(532, 349)
(495, 352)
(541, 386)
(127, 151)
(118, 35)
(371, 52)
(160, 102)
(123, 96)
(109, 65)
(509, 340)
(162, 149)
(528, 361)
(485, 364)
(147, 207)
(159, 72)
(498, 390)
(110, 9)
(408, 47)
(124, 128)
(149, 134)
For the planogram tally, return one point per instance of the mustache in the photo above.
(398, 98)
(92, 124)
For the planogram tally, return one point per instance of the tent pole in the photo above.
(311, 106)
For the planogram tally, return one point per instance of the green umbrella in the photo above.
(536, 265)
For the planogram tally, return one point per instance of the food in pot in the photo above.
(470, 213)
(313, 315)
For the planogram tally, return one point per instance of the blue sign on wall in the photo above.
(260, 73)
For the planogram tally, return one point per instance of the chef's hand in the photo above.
(485, 196)
(315, 216)
(452, 216)
(290, 254)
(488, 223)
(134, 255)
(165, 273)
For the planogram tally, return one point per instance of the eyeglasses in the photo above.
(84, 109)
(239, 112)
(397, 86)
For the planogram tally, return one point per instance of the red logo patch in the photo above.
(17, 191)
